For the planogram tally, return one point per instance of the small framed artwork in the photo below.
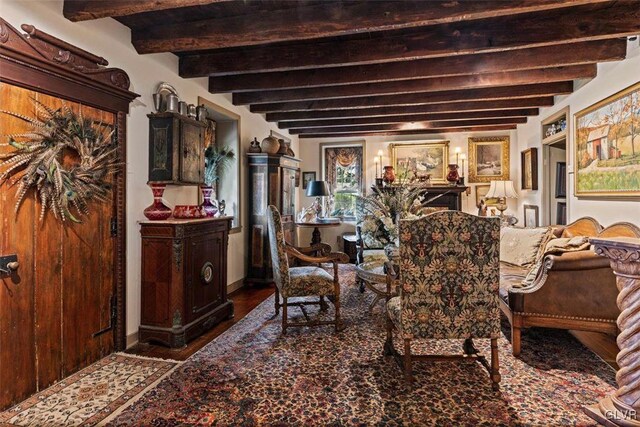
(531, 216)
(489, 159)
(307, 177)
(561, 180)
(529, 167)
(561, 213)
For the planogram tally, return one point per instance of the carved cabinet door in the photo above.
(55, 311)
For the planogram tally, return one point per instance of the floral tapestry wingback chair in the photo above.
(448, 277)
(302, 281)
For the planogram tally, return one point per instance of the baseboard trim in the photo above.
(235, 286)
(132, 339)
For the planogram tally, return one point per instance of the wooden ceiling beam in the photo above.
(451, 107)
(412, 126)
(582, 23)
(408, 118)
(84, 10)
(326, 19)
(435, 84)
(522, 59)
(486, 94)
(410, 132)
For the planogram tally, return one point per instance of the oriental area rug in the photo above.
(91, 395)
(253, 375)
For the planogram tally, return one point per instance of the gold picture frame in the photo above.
(481, 191)
(606, 146)
(488, 159)
(420, 158)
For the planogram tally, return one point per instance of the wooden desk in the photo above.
(316, 237)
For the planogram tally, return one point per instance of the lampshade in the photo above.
(317, 189)
(500, 189)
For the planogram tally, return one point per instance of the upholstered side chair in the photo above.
(448, 275)
(311, 280)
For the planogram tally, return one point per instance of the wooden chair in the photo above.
(449, 273)
(304, 281)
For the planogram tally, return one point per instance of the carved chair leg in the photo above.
(336, 303)
(388, 344)
(323, 304)
(277, 301)
(361, 286)
(408, 375)
(284, 315)
(515, 340)
(495, 365)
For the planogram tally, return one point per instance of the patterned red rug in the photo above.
(252, 375)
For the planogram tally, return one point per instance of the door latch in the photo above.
(8, 264)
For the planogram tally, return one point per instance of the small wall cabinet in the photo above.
(176, 149)
(184, 279)
(272, 181)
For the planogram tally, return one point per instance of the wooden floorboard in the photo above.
(247, 298)
(244, 300)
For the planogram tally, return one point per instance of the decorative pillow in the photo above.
(523, 246)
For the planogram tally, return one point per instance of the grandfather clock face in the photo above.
(192, 160)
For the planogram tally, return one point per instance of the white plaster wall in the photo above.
(612, 77)
(309, 152)
(111, 40)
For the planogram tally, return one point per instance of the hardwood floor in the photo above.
(246, 299)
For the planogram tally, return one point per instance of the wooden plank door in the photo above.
(52, 316)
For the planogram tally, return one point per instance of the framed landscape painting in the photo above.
(421, 159)
(489, 159)
(607, 146)
(529, 168)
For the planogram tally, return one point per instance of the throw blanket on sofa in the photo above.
(554, 247)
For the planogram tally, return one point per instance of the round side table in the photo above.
(315, 236)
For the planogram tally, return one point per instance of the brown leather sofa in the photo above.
(574, 290)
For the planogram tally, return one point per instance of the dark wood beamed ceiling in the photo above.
(324, 68)
(435, 84)
(580, 23)
(522, 59)
(486, 94)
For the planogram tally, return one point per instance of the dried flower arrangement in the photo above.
(66, 158)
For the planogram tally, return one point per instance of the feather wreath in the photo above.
(66, 158)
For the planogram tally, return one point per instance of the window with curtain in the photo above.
(343, 171)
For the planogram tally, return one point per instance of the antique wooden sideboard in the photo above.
(184, 278)
(272, 181)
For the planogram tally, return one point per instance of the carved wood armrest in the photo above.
(334, 257)
(321, 248)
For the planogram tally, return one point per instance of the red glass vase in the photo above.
(207, 204)
(453, 176)
(389, 175)
(158, 210)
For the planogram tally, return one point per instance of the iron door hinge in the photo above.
(113, 317)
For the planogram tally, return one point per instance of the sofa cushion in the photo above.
(522, 246)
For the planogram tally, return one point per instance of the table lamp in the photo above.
(318, 189)
(501, 190)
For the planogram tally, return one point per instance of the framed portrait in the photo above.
(488, 159)
(307, 177)
(531, 216)
(607, 146)
(420, 160)
(561, 180)
(529, 168)
(481, 194)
